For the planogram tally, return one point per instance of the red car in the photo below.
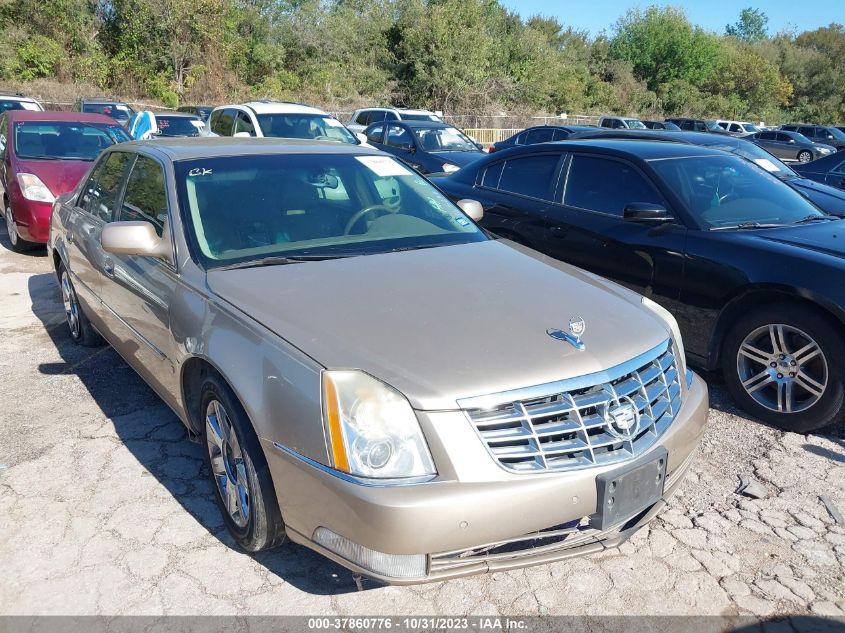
(42, 155)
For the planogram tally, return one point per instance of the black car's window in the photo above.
(145, 198)
(102, 200)
(766, 136)
(840, 168)
(835, 133)
(560, 135)
(809, 132)
(783, 137)
(375, 134)
(541, 135)
(531, 176)
(520, 139)
(492, 175)
(606, 186)
(728, 191)
(240, 208)
(398, 136)
(179, 126)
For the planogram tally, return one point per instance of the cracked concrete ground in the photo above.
(105, 509)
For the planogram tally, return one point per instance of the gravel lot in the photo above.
(105, 509)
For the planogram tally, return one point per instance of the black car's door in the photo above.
(516, 194)
(400, 142)
(836, 176)
(588, 228)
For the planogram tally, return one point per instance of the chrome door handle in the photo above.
(108, 267)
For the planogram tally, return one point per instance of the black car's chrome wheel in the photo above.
(782, 368)
(785, 364)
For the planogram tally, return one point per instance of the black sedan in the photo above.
(827, 198)
(829, 170)
(427, 146)
(749, 267)
(541, 134)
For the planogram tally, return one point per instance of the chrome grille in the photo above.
(564, 426)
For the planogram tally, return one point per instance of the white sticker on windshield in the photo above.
(384, 166)
(332, 122)
(766, 164)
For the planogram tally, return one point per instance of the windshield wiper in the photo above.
(815, 218)
(746, 225)
(278, 260)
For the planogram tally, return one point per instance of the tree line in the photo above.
(453, 55)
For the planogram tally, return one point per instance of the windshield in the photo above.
(444, 139)
(756, 155)
(244, 208)
(419, 117)
(837, 133)
(118, 111)
(751, 128)
(713, 126)
(65, 140)
(800, 138)
(18, 105)
(635, 124)
(727, 191)
(179, 126)
(307, 126)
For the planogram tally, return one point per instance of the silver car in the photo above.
(370, 374)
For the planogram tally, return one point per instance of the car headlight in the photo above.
(33, 189)
(372, 429)
(825, 150)
(670, 320)
(450, 168)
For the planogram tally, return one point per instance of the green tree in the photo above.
(751, 26)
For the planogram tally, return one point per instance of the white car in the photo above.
(19, 102)
(739, 128)
(363, 118)
(280, 120)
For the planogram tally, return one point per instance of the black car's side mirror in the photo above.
(646, 213)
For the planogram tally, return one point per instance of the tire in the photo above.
(19, 245)
(785, 364)
(237, 465)
(805, 156)
(81, 330)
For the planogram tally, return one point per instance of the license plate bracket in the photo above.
(624, 492)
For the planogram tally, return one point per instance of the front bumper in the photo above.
(32, 219)
(453, 522)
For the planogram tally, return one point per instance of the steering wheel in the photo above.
(360, 214)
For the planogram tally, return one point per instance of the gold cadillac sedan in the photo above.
(372, 375)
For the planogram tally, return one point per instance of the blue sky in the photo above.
(713, 15)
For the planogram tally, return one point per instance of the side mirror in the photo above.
(362, 138)
(472, 208)
(134, 238)
(241, 135)
(646, 213)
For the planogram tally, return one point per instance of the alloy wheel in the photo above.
(805, 157)
(227, 463)
(71, 306)
(10, 226)
(782, 368)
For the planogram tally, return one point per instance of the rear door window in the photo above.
(532, 176)
(103, 197)
(399, 137)
(606, 186)
(375, 134)
(145, 198)
(244, 124)
(542, 135)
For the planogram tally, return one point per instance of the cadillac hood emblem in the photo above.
(573, 336)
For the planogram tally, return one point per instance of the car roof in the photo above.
(17, 98)
(275, 107)
(643, 149)
(16, 116)
(417, 124)
(213, 147)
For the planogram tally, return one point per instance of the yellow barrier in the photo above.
(487, 135)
